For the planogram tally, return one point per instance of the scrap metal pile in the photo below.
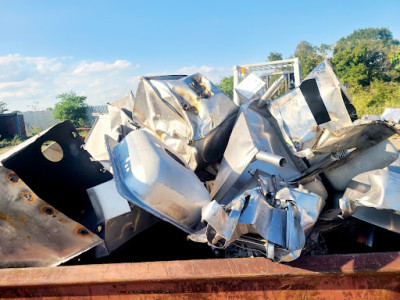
(270, 178)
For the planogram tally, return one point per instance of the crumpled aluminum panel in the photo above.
(153, 177)
(251, 88)
(281, 214)
(33, 233)
(255, 130)
(374, 198)
(363, 134)
(321, 101)
(375, 157)
(116, 124)
(188, 113)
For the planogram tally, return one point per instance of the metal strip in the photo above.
(311, 94)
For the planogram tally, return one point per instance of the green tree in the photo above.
(3, 107)
(226, 86)
(365, 55)
(309, 56)
(274, 56)
(71, 107)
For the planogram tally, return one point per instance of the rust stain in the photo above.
(82, 231)
(12, 178)
(8, 219)
(48, 210)
(22, 219)
(28, 197)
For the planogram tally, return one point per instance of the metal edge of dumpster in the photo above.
(349, 276)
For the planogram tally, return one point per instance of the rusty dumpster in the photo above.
(348, 276)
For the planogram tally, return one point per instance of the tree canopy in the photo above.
(367, 62)
(226, 86)
(274, 56)
(71, 107)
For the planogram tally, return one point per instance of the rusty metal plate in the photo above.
(360, 276)
(32, 232)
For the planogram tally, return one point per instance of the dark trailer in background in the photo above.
(11, 124)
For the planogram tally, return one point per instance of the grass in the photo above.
(6, 145)
(5, 149)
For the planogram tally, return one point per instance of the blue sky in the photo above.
(100, 48)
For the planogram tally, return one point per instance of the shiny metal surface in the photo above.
(250, 88)
(32, 232)
(272, 90)
(373, 197)
(153, 177)
(117, 123)
(297, 121)
(255, 130)
(363, 134)
(187, 113)
(282, 215)
(375, 157)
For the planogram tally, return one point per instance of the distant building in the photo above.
(11, 124)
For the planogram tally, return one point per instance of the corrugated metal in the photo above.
(360, 276)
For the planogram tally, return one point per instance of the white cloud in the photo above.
(25, 80)
(100, 66)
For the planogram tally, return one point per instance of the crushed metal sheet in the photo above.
(118, 221)
(187, 113)
(362, 134)
(321, 101)
(391, 114)
(61, 183)
(32, 232)
(153, 177)
(281, 214)
(375, 157)
(255, 131)
(373, 197)
(250, 88)
(117, 123)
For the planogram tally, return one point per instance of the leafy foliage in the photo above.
(71, 107)
(365, 55)
(226, 86)
(309, 56)
(274, 56)
(373, 99)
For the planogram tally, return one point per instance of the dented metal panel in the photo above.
(153, 177)
(117, 123)
(373, 197)
(61, 183)
(255, 130)
(319, 102)
(34, 233)
(188, 113)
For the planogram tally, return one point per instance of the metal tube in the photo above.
(272, 90)
(270, 158)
